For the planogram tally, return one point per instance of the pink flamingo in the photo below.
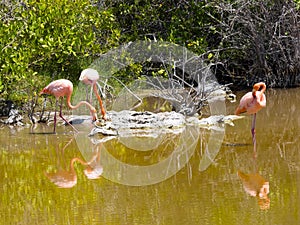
(90, 77)
(251, 103)
(60, 88)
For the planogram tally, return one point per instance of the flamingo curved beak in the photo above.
(94, 114)
(94, 117)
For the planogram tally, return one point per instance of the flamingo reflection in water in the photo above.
(90, 77)
(255, 185)
(68, 178)
(93, 169)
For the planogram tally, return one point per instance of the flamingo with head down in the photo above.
(60, 88)
(90, 77)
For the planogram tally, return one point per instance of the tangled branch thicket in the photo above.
(261, 41)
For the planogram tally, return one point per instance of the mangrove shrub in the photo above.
(47, 39)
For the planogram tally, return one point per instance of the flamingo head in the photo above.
(44, 91)
(89, 76)
(261, 86)
(94, 114)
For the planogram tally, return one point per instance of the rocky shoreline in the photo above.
(10, 114)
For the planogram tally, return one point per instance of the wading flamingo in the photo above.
(90, 77)
(251, 103)
(60, 88)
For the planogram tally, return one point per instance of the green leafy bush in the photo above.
(47, 39)
(180, 22)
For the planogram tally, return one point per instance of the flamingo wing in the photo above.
(58, 88)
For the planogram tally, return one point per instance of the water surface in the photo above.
(215, 195)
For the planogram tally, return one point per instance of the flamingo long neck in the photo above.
(77, 160)
(261, 86)
(254, 93)
(92, 108)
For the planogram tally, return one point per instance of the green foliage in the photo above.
(44, 40)
(297, 3)
(183, 22)
(247, 41)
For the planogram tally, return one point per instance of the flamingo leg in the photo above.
(91, 96)
(100, 88)
(56, 103)
(254, 135)
(61, 116)
(100, 102)
(87, 94)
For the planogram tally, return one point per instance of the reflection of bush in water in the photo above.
(143, 158)
(154, 104)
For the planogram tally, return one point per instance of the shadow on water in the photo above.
(231, 189)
